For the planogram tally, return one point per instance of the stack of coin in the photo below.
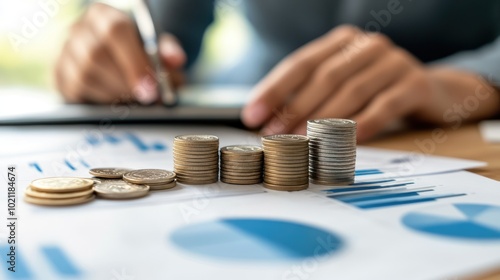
(196, 159)
(286, 162)
(59, 191)
(241, 164)
(332, 151)
(156, 179)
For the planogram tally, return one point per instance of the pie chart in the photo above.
(256, 240)
(475, 222)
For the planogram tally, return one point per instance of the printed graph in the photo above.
(256, 240)
(478, 222)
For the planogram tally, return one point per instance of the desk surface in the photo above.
(465, 142)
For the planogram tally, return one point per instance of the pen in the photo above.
(149, 37)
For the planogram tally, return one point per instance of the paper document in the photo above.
(406, 216)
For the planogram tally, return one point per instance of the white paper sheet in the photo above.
(134, 239)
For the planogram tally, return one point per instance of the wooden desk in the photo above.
(465, 142)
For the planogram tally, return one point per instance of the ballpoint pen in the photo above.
(146, 27)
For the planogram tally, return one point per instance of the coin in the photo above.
(163, 186)
(286, 188)
(119, 189)
(332, 150)
(108, 172)
(46, 195)
(241, 164)
(286, 162)
(59, 202)
(242, 150)
(61, 184)
(147, 176)
(196, 158)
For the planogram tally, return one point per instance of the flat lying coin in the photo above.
(163, 187)
(59, 202)
(149, 176)
(61, 184)
(46, 195)
(119, 189)
(108, 172)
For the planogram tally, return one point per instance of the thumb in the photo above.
(171, 52)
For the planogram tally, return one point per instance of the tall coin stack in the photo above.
(332, 151)
(286, 162)
(241, 164)
(196, 159)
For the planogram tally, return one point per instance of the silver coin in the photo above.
(119, 189)
(108, 172)
(146, 176)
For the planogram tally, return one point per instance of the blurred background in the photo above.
(31, 38)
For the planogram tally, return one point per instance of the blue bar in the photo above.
(84, 163)
(22, 271)
(137, 142)
(363, 173)
(352, 189)
(372, 182)
(36, 166)
(401, 201)
(91, 140)
(69, 165)
(60, 261)
(110, 138)
(159, 147)
(371, 197)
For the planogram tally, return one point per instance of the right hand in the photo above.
(103, 60)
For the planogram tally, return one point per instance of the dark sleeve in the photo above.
(186, 19)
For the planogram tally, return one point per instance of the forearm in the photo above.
(458, 97)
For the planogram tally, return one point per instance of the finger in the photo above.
(291, 73)
(359, 90)
(80, 88)
(95, 61)
(171, 52)
(330, 76)
(395, 103)
(120, 36)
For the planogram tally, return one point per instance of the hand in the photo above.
(104, 61)
(344, 74)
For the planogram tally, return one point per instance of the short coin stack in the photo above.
(156, 179)
(332, 151)
(59, 191)
(196, 159)
(286, 162)
(241, 164)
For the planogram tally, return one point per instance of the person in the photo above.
(373, 61)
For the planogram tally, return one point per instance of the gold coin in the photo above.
(278, 187)
(59, 202)
(241, 182)
(285, 139)
(147, 176)
(119, 189)
(108, 172)
(194, 138)
(241, 150)
(46, 195)
(198, 182)
(61, 184)
(163, 187)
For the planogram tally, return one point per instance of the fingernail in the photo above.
(169, 48)
(146, 92)
(255, 114)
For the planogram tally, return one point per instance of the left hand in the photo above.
(346, 73)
